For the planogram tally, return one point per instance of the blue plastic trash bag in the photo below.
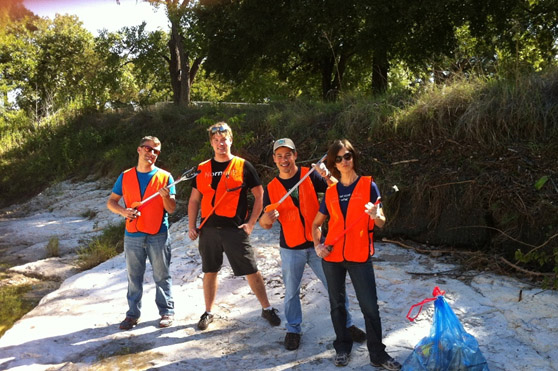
(448, 347)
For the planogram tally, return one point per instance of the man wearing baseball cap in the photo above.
(295, 215)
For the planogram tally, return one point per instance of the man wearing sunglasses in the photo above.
(146, 235)
(221, 192)
(295, 215)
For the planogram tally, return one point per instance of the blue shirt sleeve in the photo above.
(117, 188)
(374, 192)
(172, 189)
(320, 184)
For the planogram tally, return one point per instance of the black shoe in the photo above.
(357, 334)
(271, 316)
(128, 323)
(292, 341)
(388, 364)
(341, 359)
(205, 320)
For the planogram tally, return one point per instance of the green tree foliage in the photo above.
(64, 64)
(133, 68)
(322, 41)
(51, 65)
(528, 40)
(17, 60)
(305, 42)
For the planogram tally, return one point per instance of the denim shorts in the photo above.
(232, 241)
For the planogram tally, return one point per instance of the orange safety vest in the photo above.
(296, 233)
(232, 178)
(152, 213)
(357, 245)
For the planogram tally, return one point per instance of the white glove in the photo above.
(322, 169)
(369, 208)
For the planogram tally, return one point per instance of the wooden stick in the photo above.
(525, 270)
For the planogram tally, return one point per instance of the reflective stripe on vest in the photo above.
(289, 215)
(152, 212)
(231, 178)
(357, 244)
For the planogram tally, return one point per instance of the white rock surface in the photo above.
(76, 327)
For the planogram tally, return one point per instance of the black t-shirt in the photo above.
(320, 185)
(250, 180)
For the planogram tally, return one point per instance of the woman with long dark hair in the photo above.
(353, 212)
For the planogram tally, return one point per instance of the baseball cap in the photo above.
(284, 142)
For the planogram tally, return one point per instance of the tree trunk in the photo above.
(194, 69)
(380, 69)
(339, 72)
(179, 67)
(332, 77)
(327, 86)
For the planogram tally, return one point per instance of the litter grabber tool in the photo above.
(276, 204)
(391, 191)
(187, 175)
(218, 202)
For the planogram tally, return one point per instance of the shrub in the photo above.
(13, 305)
(102, 248)
(53, 248)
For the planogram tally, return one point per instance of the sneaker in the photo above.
(128, 323)
(166, 320)
(205, 320)
(271, 316)
(341, 359)
(292, 341)
(388, 364)
(357, 334)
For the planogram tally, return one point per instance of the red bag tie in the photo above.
(435, 293)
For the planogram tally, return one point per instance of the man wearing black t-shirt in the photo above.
(221, 192)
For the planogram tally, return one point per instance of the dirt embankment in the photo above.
(454, 195)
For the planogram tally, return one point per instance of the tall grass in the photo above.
(53, 248)
(486, 112)
(13, 305)
(102, 248)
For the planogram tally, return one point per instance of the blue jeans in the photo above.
(364, 282)
(293, 263)
(137, 250)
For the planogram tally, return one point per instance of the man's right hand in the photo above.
(193, 233)
(273, 215)
(268, 218)
(322, 250)
(130, 213)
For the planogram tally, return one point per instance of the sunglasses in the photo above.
(347, 156)
(218, 129)
(156, 152)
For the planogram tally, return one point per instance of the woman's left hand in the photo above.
(372, 210)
